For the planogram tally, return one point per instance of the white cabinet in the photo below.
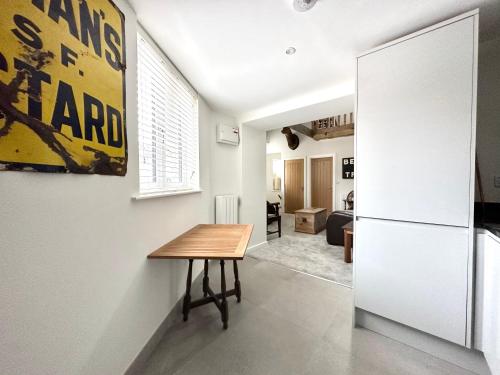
(487, 325)
(415, 104)
(414, 274)
(414, 187)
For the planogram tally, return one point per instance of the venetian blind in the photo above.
(168, 124)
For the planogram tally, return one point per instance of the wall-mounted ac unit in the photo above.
(228, 134)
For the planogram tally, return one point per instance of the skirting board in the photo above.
(139, 363)
(494, 364)
(471, 360)
(258, 245)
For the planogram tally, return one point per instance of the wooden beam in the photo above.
(302, 129)
(338, 131)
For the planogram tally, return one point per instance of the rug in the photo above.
(306, 253)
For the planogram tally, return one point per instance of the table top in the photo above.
(208, 241)
(348, 227)
(310, 210)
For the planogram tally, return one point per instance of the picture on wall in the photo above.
(347, 168)
(62, 87)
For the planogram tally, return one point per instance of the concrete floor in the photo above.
(287, 323)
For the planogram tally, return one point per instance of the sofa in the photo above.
(334, 223)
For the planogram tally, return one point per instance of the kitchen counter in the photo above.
(487, 317)
(493, 228)
(487, 216)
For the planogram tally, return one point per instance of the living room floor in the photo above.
(274, 331)
(308, 253)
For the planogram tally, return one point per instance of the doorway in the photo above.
(294, 185)
(322, 183)
(307, 177)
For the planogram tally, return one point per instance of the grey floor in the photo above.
(287, 323)
(309, 253)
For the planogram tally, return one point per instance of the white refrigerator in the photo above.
(414, 179)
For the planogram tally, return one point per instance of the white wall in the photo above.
(78, 295)
(241, 171)
(225, 161)
(342, 148)
(271, 194)
(488, 118)
(253, 182)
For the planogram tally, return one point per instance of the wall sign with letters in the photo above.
(62, 86)
(348, 168)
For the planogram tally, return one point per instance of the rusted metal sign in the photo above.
(62, 86)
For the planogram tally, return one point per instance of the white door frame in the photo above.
(305, 179)
(309, 179)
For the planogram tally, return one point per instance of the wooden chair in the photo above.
(273, 214)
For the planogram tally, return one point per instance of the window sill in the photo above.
(139, 197)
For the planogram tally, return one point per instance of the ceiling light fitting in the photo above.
(303, 5)
(290, 50)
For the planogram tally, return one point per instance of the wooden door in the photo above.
(321, 183)
(294, 185)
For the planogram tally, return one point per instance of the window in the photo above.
(168, 125)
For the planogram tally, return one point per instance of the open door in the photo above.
(294, 185)
(322, 183)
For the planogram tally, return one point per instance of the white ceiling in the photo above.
(233, 51)
(305, 114)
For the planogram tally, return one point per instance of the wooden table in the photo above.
(209, 241)
(348, 230)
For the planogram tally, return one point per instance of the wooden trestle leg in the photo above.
(187, 298)
(223, 309)
(205, 279)
(220, 299)
(237, 285)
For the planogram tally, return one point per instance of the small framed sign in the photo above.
(347, 168)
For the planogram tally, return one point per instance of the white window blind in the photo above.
(168, 125)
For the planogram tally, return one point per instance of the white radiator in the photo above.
(226, 209)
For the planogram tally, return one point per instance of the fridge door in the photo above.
(414, 274)
(414, 128)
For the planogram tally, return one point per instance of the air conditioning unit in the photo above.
(228, 134)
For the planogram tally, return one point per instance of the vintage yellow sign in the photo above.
(62, 86)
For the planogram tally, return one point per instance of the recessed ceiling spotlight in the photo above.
(303, 5)
(290, 50)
